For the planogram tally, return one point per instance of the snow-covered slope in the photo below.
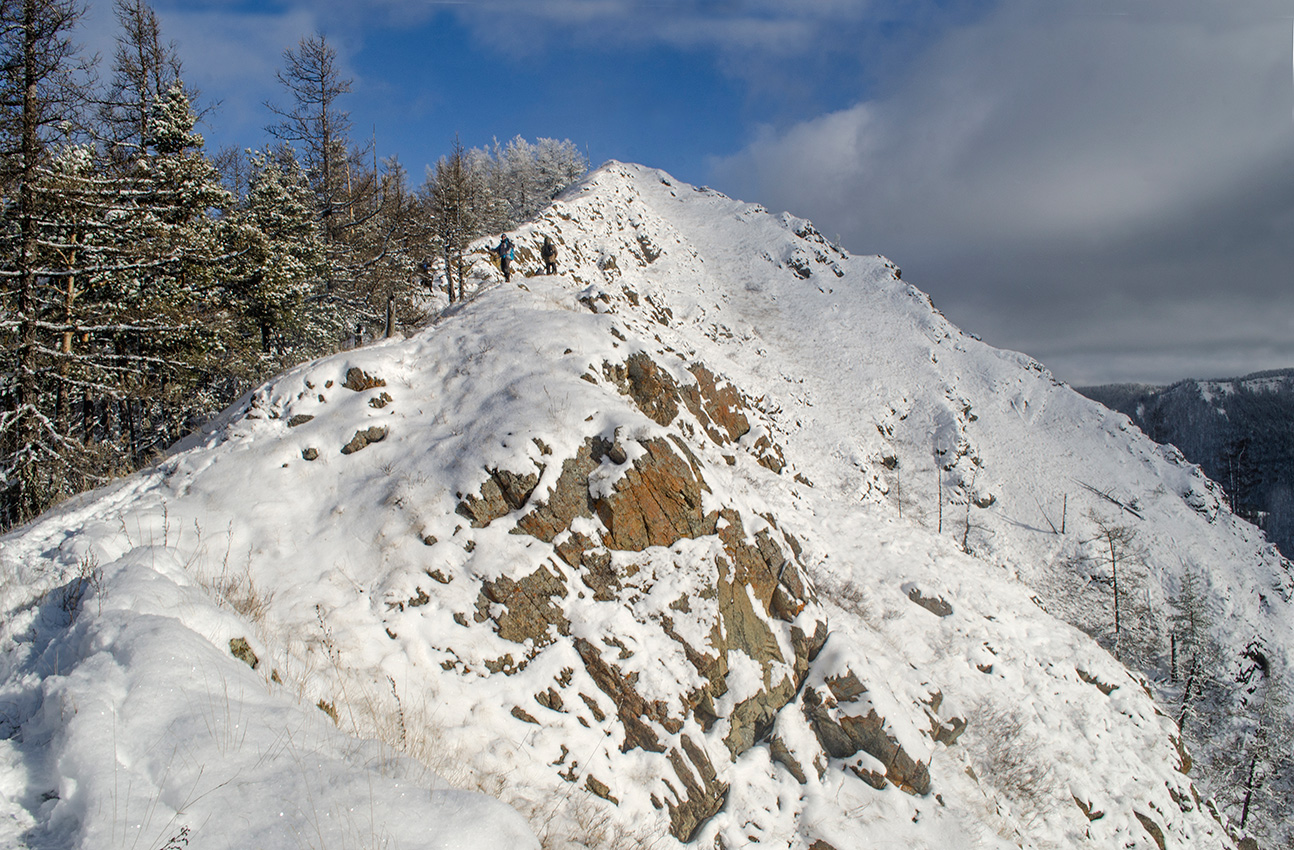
(720, 536)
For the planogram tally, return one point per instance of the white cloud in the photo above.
(753, 28)
(237, 53)
(1032, 164)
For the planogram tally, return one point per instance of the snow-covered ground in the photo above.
(408, 642)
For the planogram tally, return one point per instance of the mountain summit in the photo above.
(720, 536)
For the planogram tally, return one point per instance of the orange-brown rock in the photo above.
(569, 498)
(632, 710)
(718, 409)
(359, 380)
(502, 493)
(656, 503)
(528, 607)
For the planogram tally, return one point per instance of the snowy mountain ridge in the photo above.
(721, 536)
(1238, 430)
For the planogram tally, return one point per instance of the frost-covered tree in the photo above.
(124, 255)
(1257, 769)
(559, 164)
(144, 69)
(519, 179)
(472, 193)
(1133, 635)
(282, 263)
(314, 123)
(453, 194)
(37, 97)
(390, 242)
(1190, 642)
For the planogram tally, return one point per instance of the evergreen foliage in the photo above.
(144, 288)
(281, 262)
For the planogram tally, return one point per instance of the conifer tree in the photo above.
(1134, 637)
(108, 261)
(144, 69)
(37, 95)
(314, 122)
(1189, 636)
(389, 243)
(282, 263)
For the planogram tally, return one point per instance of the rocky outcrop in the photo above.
(650, 386)
(936, 605)
(502, 493)
(650, 494)
(526, 607)
(657, 502)
(359, 380)
(836, 715)
(703, 794)
(719, 408)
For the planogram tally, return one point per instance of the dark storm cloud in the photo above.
(1109, 188)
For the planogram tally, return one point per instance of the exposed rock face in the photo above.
(705, 794)
(634, 711)
(569, 498)
(843, 731)
(656, 503)
(1152, 828)
(718, 407)
(242, 650)
(502, 493)
(650, 386)
(528, 607)
(936, 605)
(644, 495)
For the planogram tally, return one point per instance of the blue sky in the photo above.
(1107, 185)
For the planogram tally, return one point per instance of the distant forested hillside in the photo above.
(1240, 431)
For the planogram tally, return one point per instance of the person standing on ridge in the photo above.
(505, 257)
(549, 253)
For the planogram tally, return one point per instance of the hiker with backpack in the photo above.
(505, 252)
(549, 254)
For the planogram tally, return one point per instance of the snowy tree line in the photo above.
(147, 283)
(1104, 589)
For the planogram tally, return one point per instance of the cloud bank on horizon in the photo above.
(1111, 190)
(1106, 185)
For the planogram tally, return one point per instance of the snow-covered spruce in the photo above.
(721, 536)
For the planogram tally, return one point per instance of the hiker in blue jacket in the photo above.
(505, 257)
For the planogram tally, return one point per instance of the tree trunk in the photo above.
(1249, 790)
(1186, 694)
(26, 427)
